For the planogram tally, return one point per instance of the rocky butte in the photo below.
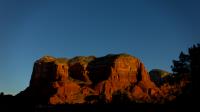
(90, 80)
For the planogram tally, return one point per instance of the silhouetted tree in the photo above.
(194, 53)
(195, 65)
(182, 65)
(188, 67)
(188, 64)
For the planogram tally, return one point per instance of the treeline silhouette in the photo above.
(187, 68)
(188, 65)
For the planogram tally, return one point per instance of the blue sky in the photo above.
(155, 31)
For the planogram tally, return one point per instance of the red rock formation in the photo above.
(90, 79)
(126, 73)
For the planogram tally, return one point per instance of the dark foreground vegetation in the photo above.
(13, 103)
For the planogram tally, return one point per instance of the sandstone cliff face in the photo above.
(91, 80)
(125, 74)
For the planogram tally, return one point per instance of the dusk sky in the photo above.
(155, 31)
